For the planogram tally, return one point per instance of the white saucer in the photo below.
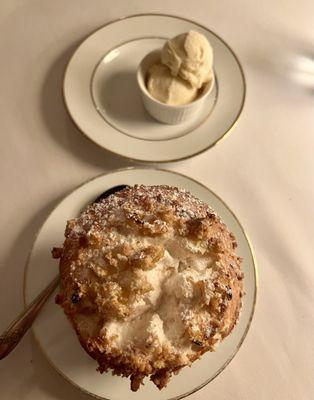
(102, 97)
(54, 333)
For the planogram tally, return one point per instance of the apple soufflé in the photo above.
(150, 281)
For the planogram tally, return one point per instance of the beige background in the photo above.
(264, 171)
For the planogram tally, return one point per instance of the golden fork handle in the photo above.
(14, 333)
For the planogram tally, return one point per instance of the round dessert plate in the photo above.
(103, 99)
(56, 337)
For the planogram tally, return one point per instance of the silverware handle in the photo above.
(14, 333)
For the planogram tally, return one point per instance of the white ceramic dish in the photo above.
(54, 333)
(169, 114)
(103, 98)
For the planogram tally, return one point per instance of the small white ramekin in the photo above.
(166, 113)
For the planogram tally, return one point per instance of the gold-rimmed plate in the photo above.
(54, 333)
(102, 97)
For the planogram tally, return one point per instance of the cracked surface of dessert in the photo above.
(150, 281)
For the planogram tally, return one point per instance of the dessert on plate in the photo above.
(150, 281)
(175, 82)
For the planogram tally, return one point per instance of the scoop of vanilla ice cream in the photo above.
(189, 56)
(169, 89)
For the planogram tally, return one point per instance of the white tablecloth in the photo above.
(264, 170)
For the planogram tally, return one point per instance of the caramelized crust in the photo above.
(150, 281)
